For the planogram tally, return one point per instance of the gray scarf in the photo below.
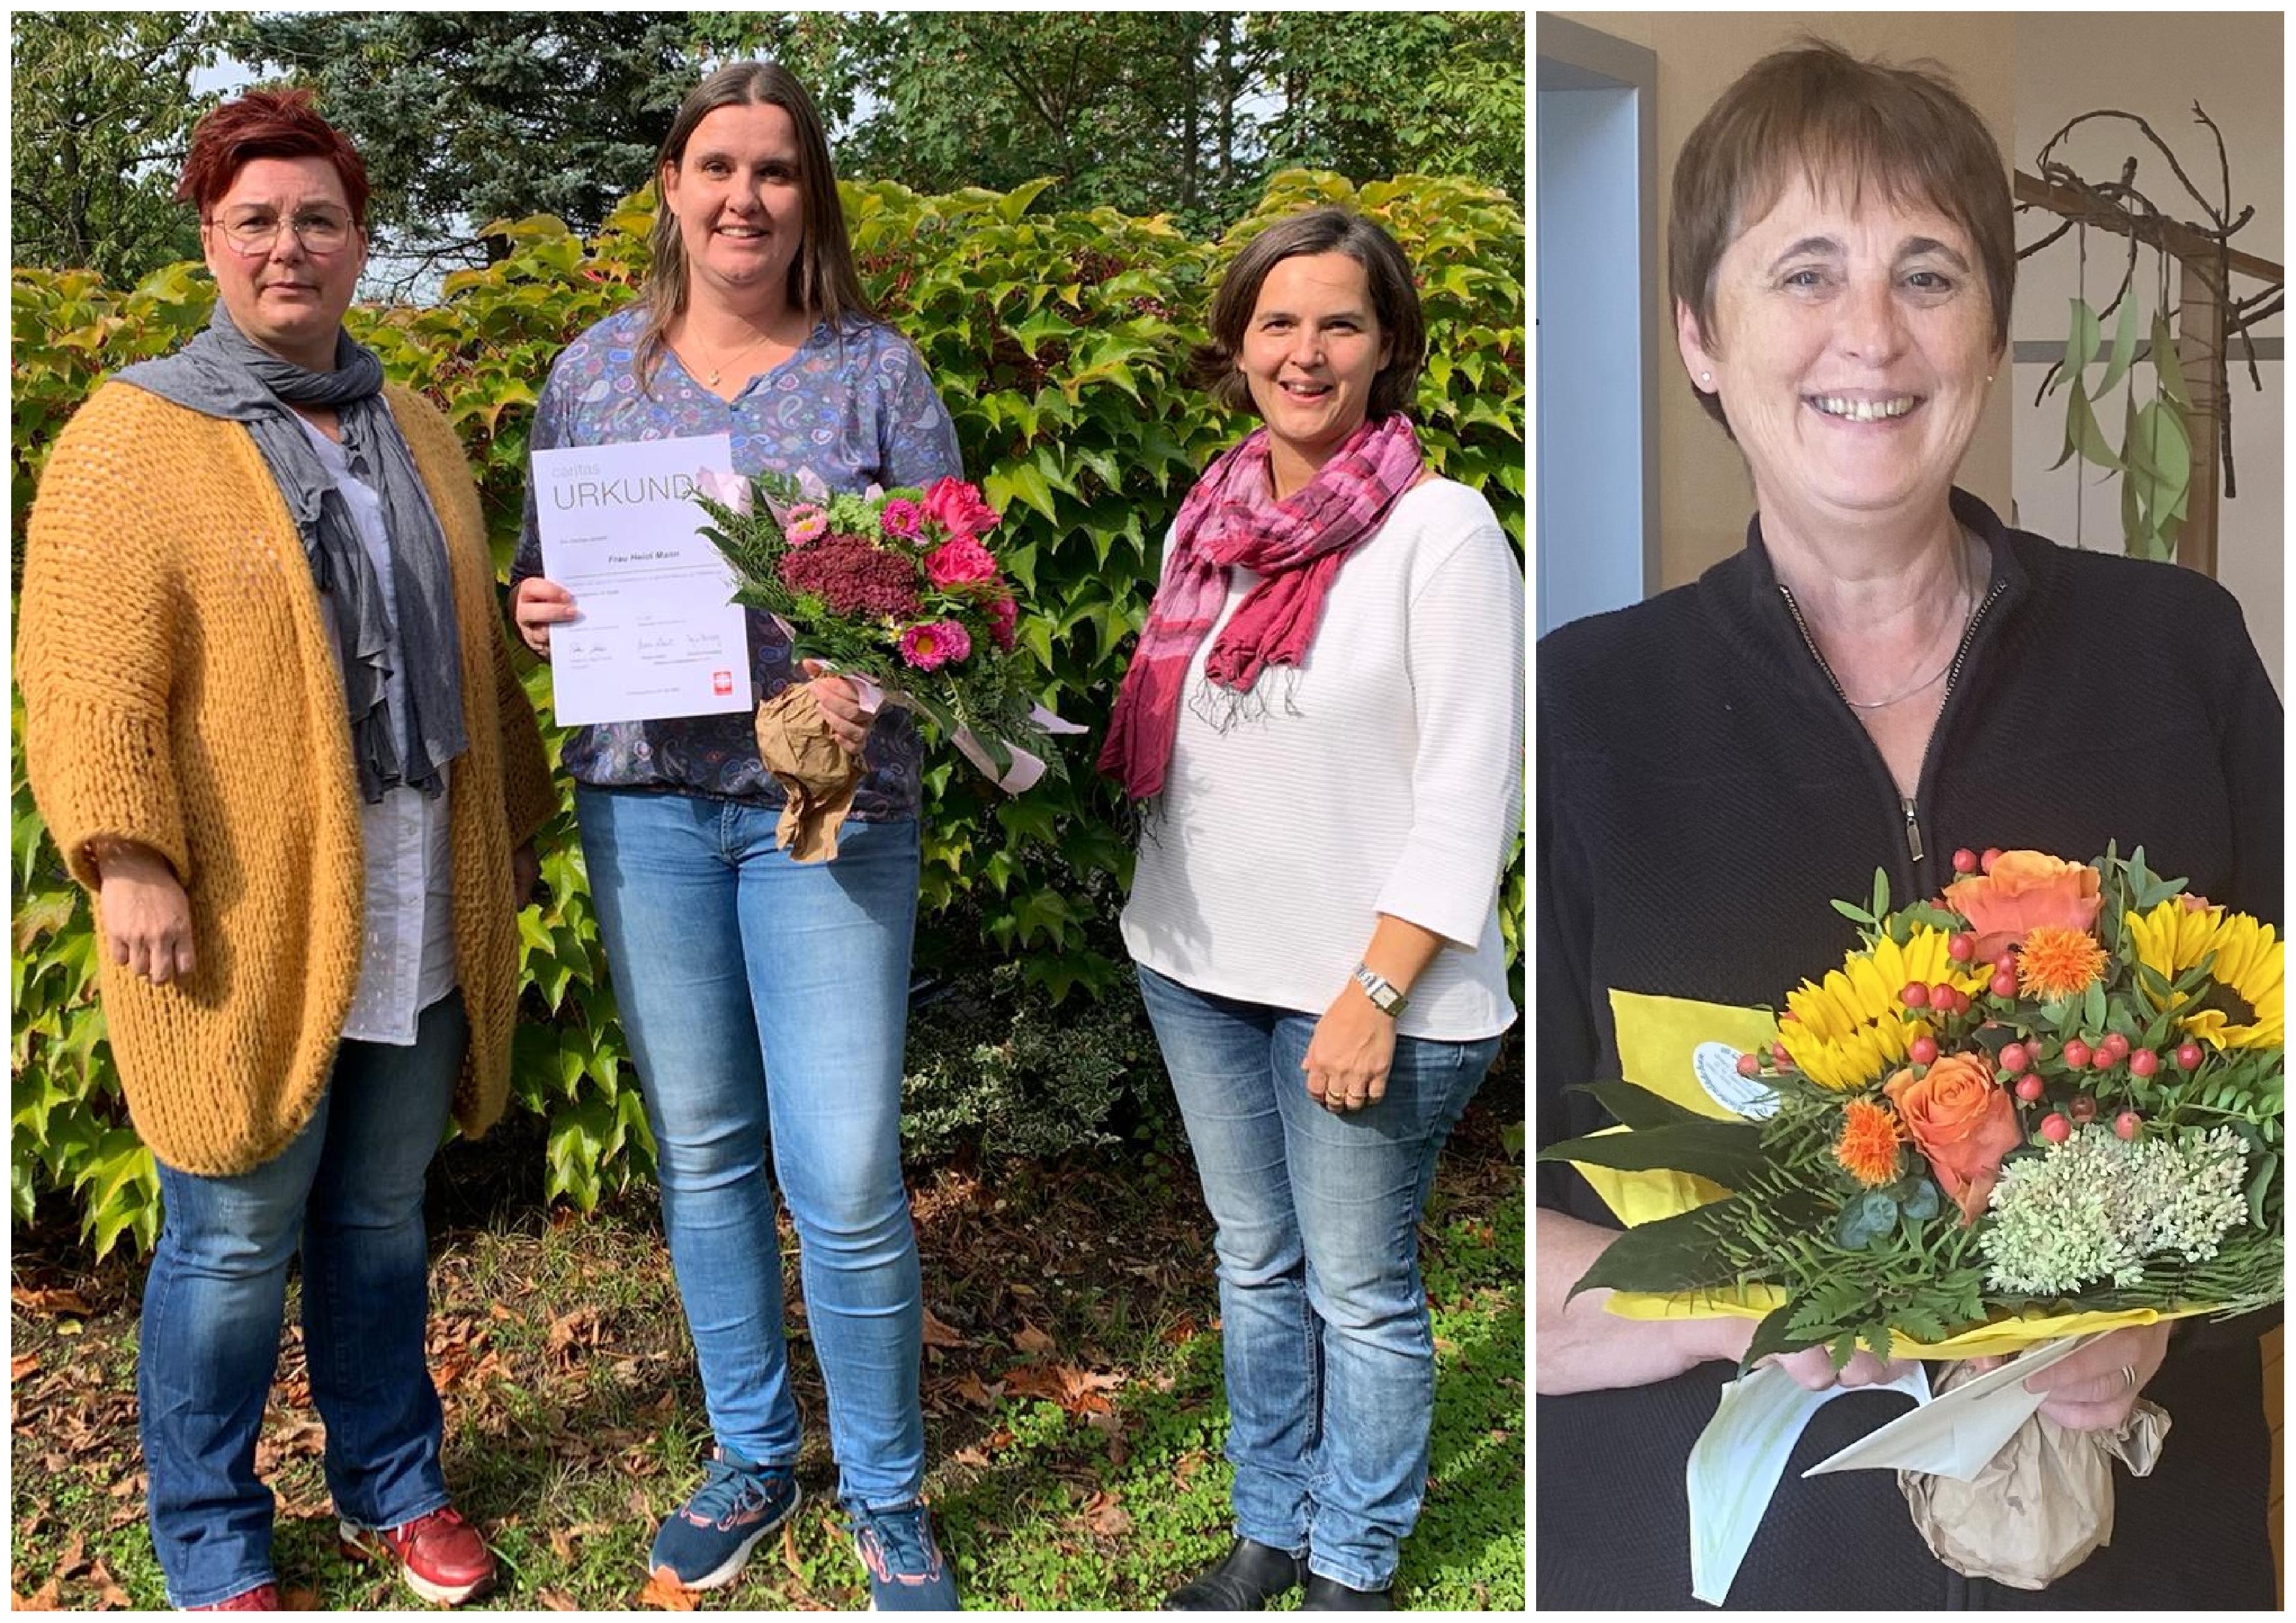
(222, 373)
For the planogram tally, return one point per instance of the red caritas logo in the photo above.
(721, 683)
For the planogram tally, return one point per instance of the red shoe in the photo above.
(442, 1556)
(263, 1597)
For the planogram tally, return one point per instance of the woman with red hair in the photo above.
(271, 723)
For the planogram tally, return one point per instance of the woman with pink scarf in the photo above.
(1325, 716)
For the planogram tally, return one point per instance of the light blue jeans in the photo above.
(1329, 1349)
(765, 1003)
(348, 1190)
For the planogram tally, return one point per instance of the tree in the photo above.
(463, 118)
(1396, 93)
(100, 110)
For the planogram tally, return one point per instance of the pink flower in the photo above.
(806, 522)
(901, 519)
(939, 643)
(961, 562)
(958, 508)
(1003, 615)
(730, 489)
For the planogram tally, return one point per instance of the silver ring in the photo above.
(2129, 1370)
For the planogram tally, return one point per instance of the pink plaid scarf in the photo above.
(1296, 545)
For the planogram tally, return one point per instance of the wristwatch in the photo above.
(1384, 994)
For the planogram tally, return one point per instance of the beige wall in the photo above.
(2156, 66)
(1704, 497)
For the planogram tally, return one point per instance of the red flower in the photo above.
(961, 562)
(958, 508)
(1003, 615)
(853, 576)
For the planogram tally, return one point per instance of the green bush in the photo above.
(1059, 342)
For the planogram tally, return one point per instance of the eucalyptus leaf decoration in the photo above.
(2155, 454)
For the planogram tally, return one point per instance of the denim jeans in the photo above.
(766, 1002)
(349, 1187)
(1329, 1349)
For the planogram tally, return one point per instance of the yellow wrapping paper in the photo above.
(1659, 1038)
(796, 746)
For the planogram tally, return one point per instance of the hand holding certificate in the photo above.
(658, 633)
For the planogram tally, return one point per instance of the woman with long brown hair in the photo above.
(734, 964)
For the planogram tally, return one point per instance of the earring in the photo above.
(1706, 377)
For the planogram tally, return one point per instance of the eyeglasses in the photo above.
(320, 231)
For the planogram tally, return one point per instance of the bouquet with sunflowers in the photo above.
(2047, 1103)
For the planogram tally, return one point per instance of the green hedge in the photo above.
(1059, 342)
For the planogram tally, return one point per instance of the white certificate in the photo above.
(657, 635)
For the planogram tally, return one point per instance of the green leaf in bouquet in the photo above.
(1726, 1152)
(1880, 892)
(2259, 1185)
(1853, 913)
(1922, 1204)
(1773, 1334)
(1865, 1219)
(1636, 1106)
(2092, 1005)
(1677, 1253)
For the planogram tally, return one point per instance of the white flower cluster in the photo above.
(2095, 1207)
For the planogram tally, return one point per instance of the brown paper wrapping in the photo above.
(2041, 1505)
(796, 746)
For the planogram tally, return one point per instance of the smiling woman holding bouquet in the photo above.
(766, 999)
(1324, 716)
(271, 719)
(1884, 674)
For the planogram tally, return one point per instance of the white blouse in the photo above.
(407, 958)
(1383, 775)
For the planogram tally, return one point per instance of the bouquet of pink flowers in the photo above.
(898, 589)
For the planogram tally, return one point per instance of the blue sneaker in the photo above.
(707, 1539)
(907, 1571)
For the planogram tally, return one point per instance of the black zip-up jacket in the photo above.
(1703, 793)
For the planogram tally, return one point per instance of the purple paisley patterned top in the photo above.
(858, 408)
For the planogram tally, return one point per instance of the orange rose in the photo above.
(2025, 890)
(1962, 1121)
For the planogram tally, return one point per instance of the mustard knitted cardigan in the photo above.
(179, 691)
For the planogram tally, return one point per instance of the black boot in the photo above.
(1329, 1594)
(1246, 1579)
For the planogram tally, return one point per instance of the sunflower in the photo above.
(1868, 1148)
(2172, 938)
(2057, 962)
(1851, 1028)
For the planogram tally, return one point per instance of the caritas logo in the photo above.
(721, 683)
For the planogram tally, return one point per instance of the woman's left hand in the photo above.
(1349, 1055)
(2093, 1390)
(841, 707)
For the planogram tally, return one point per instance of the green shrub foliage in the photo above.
(1060, 342)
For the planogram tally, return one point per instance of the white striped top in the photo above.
(1383, 775)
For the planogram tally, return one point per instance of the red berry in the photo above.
(2037, 1049)
(2055, 1129)
(1778, 1052)
(1788, 1015)
(2189, 1056)
(2029, 1087)
(1923, 1051)
(1960, 1000)
(2126, 1124)
(2006, 964)
(2083, 1107)
(1943, 997)
(1961, 948)
(1915, 996)
(2118, 1044)
(2075, 1055)
(1964, 861)
(2144, 1063)
(1992, 855)
(2104, 1058)
(1750, 1065)
(2012, 1057)
(2004, 984)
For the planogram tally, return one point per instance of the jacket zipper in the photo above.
(1907, 805)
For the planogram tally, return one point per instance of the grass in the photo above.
(1072, 1387)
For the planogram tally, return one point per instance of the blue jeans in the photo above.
(349, 1187)
(766, 1002)
(1325, 1331)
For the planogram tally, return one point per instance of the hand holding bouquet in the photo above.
(898, 591)
(2048, 1102)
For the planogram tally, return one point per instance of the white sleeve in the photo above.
(1463, 659)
